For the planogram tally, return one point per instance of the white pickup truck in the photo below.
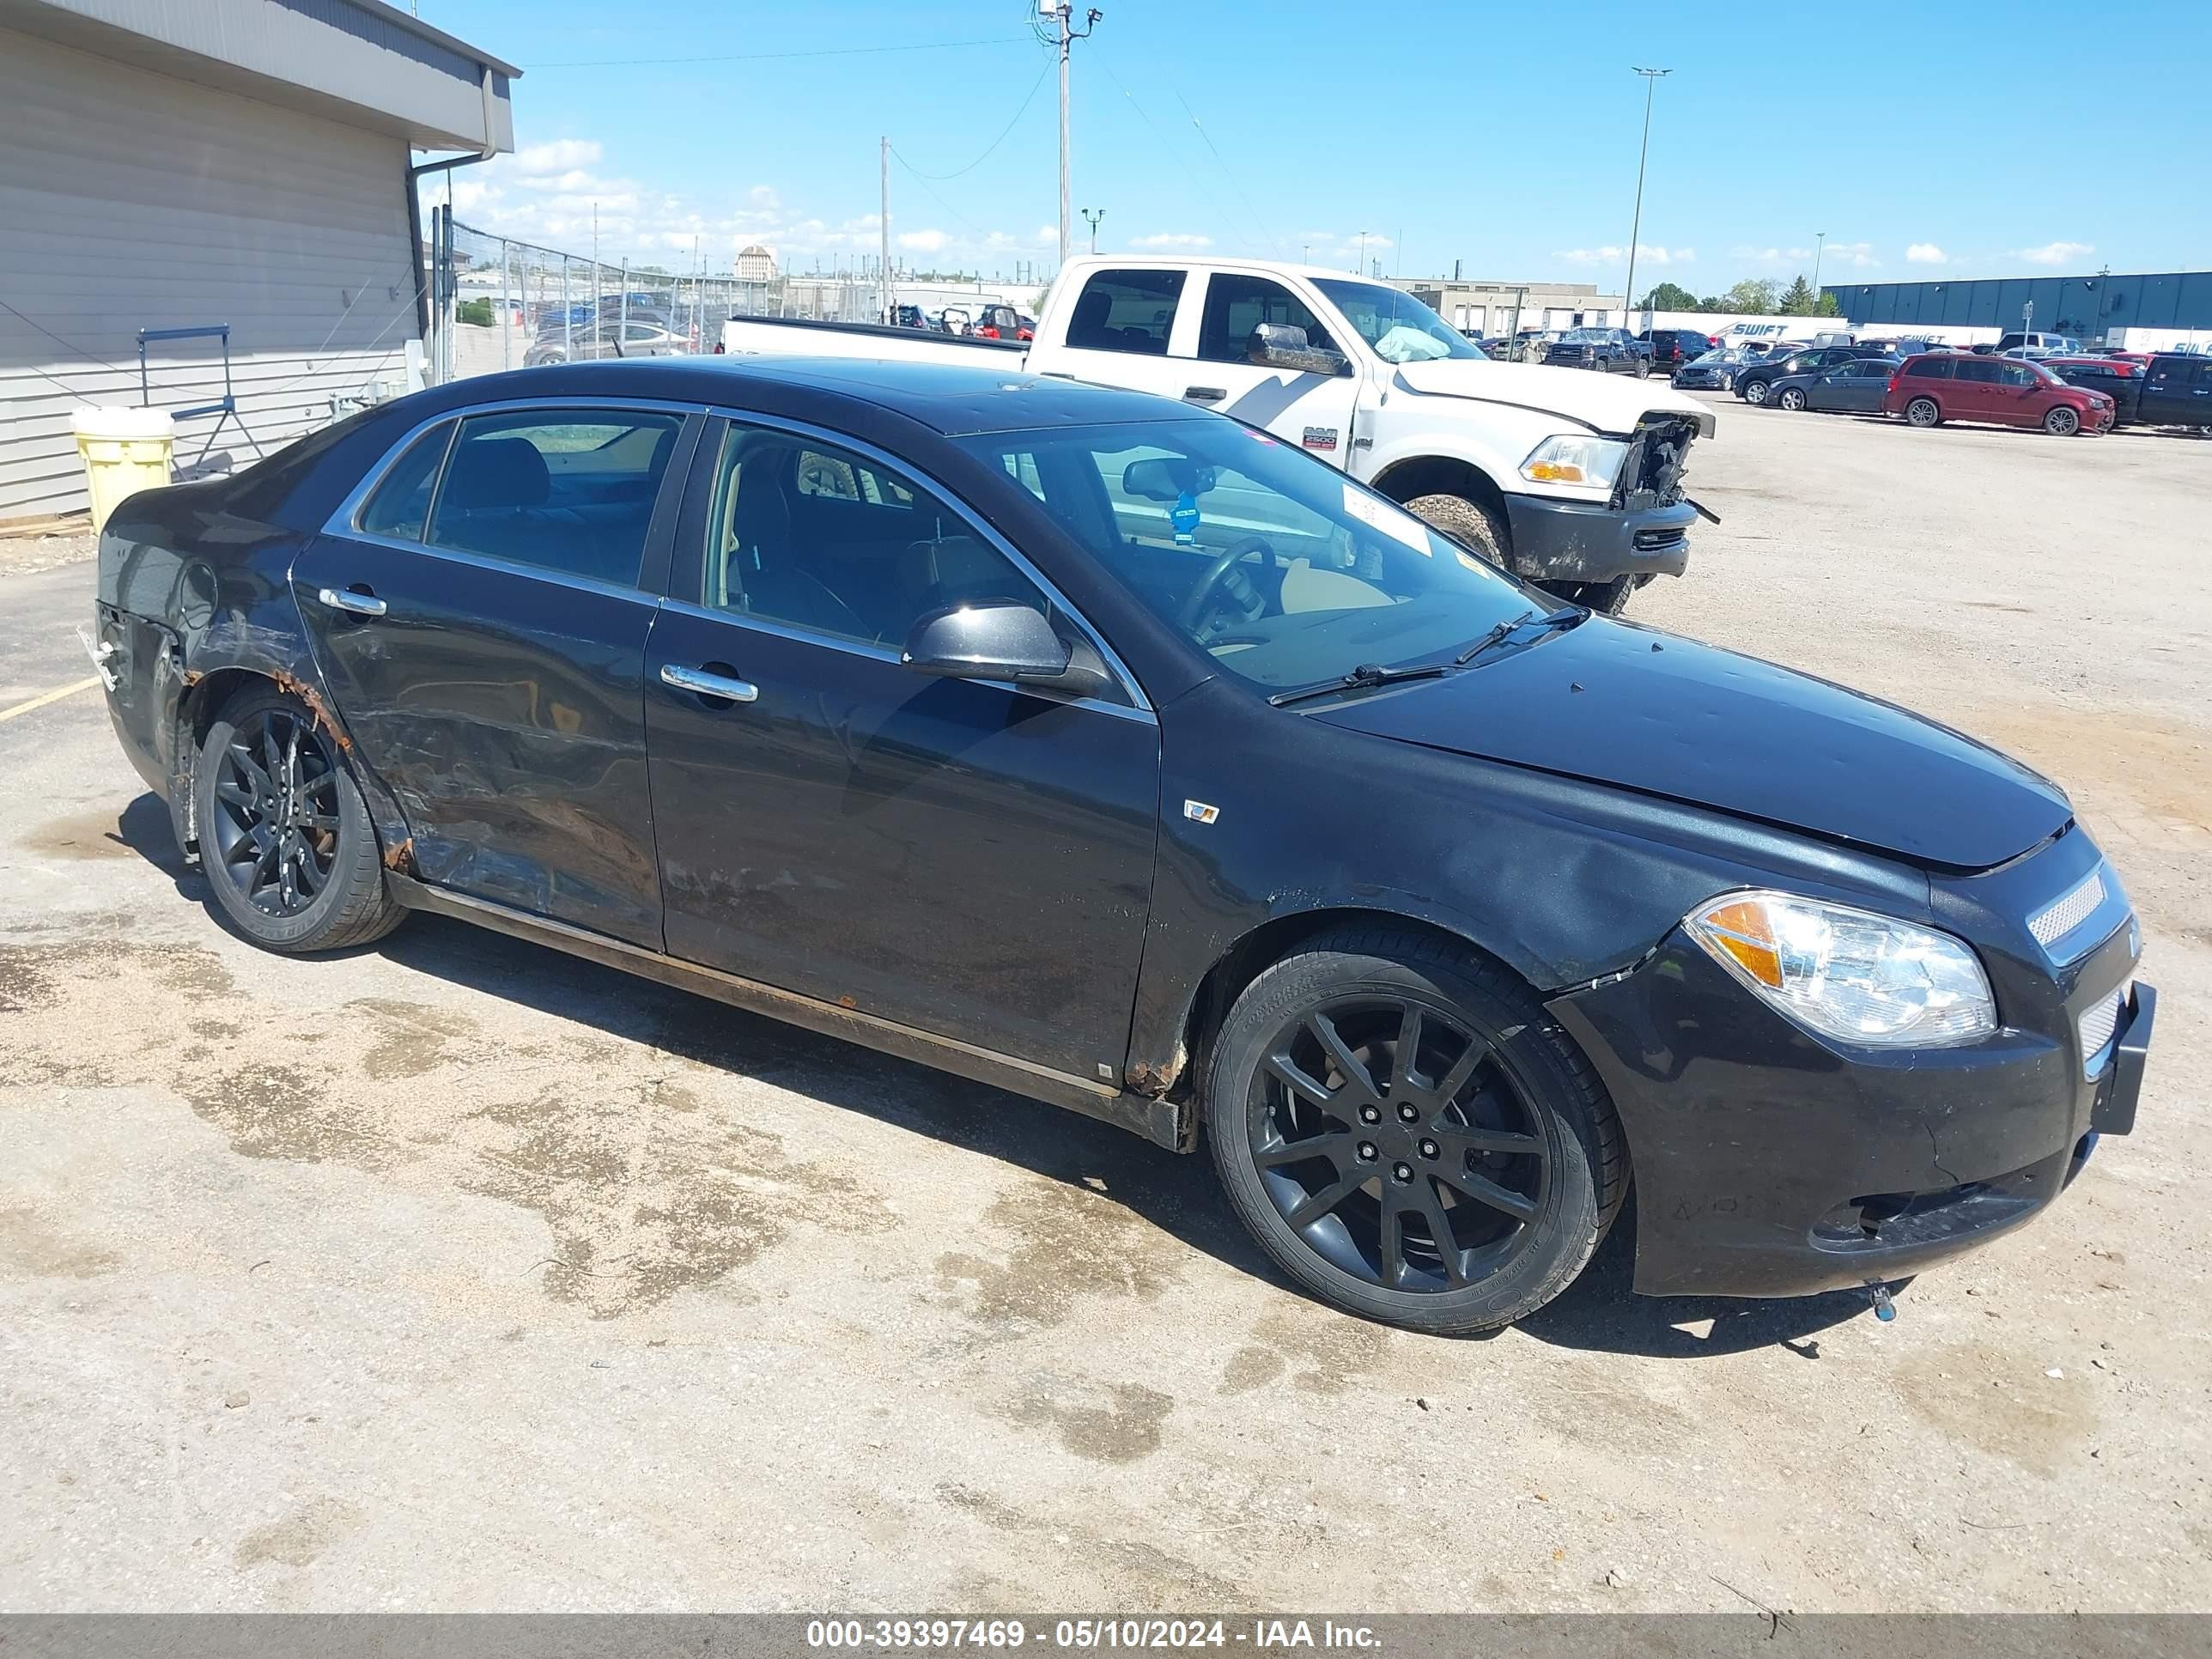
(1569, 479)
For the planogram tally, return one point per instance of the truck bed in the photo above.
(793, 337)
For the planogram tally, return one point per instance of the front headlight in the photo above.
(1849, 974)
(1573, 459)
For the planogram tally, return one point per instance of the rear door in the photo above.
(2178, 391)
(479, 612)
(1857, 386)
(1313, 411)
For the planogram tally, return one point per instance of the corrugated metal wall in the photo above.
(129, 200)
(2064, 305)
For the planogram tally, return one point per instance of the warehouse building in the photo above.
(2150, 313)
(1491, 308)
(239, 165)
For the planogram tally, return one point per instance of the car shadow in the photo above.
(1599, 1313)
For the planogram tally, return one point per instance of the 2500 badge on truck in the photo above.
(1573, 480)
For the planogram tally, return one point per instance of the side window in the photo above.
(570, 491)
(1235, 305)
(2202, 372)
(1978, 368)
(1931, 369)
(1125, 310)
(402, 502)
(820, 539)
(2017, 374)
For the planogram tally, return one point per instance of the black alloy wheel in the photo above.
(1391, 1145)
(284, 837)
(276, 819)
(1404, 1128)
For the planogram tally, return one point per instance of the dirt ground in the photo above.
(453, 1274)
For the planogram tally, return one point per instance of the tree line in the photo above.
(1754, 296)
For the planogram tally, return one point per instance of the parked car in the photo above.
(908, 317)
(955, 319)
(1856, 388)
(1931, 389)
(2140, 359)
(611, 338)
(2120, 381)
(1673, 347)
(1574, 480)
(1529, 345)
(1003, 323)
(1754, 381)
(2039, 345)
(1614, 350)
(1713, 371)
(2177, 391)
(978, 720)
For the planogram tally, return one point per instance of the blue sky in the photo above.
(1947, 137)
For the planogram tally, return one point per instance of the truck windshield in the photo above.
(1279, 568)
(1400, 327)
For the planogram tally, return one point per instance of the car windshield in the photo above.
(1580, 335)
(1716, 354)
(1400, 327)
(1281, 568)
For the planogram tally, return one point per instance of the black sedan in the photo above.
(1851, 388)
(1109, 751)
(1755, 381)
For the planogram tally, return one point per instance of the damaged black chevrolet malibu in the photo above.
(1109, 751)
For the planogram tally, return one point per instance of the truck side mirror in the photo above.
(1283, 345)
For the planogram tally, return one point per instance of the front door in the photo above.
(480, 627)
(1314, 411)
(958, 856)
(1973, 391)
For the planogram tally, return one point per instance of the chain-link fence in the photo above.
(498, 303)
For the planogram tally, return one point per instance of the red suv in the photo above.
(1948, 385)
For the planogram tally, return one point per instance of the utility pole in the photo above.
(1819, 247)
(1359, 267)
(1063, 13)
(883, 224)
(1091, 216)
(1636, 226)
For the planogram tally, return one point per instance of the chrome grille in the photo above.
(2098, 1022)
(2053, 924)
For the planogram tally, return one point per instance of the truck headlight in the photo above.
(1848, 974)
(1575, 460)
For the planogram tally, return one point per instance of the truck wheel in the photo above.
(1606, 599)
(1921, 411)
(1409, 1135)
(1466, 522)
(1643, 368)
(2062, 421)
(285, 840)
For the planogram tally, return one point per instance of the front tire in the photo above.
(1922, 412)
(1753, 391)
(1409, 1135)
(1791, 399)
(2060, 422)
(1482, 531)
(285, 839)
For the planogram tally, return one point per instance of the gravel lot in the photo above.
(458, 1276)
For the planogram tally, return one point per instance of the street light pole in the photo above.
(1360, 268)
(1819, 247)
(1636, 226)
(1091, 216)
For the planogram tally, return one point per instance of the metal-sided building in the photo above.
(188, 165)
(2157, 310)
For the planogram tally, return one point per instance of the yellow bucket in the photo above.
(123, 451)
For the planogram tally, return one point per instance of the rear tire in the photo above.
(1454, 1189)
(285, 839)
(1483, 532)
(1923, 412)
(2062, 421)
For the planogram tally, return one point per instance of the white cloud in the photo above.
(765, 196)
(1167, 239)
(1858, 254)
(1924, 253)
(1655, 253)
(1771, 256)
(2055, 254)
(558, 156)
(923, 241)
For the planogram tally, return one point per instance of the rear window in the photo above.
(1125, 310)
(1930, 368)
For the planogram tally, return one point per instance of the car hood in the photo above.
(1604, 402)
(1622, 705)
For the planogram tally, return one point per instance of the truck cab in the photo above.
(1572, 480)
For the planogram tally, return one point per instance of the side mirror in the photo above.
(1283, 345)
(1001, 640)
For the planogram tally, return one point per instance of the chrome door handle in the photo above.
(709, 685)
(362, 604)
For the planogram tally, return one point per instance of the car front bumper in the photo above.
(1767, 1162)
(1556, 541)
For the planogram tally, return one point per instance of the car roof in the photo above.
(952, 400)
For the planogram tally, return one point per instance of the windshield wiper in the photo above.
(1565, 617)
(1367, 674)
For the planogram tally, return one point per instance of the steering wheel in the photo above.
(1249, 602)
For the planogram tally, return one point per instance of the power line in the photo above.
(771, 57)
(923, 179)
(996, 142)
(1223, 165)
(1196, 184)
